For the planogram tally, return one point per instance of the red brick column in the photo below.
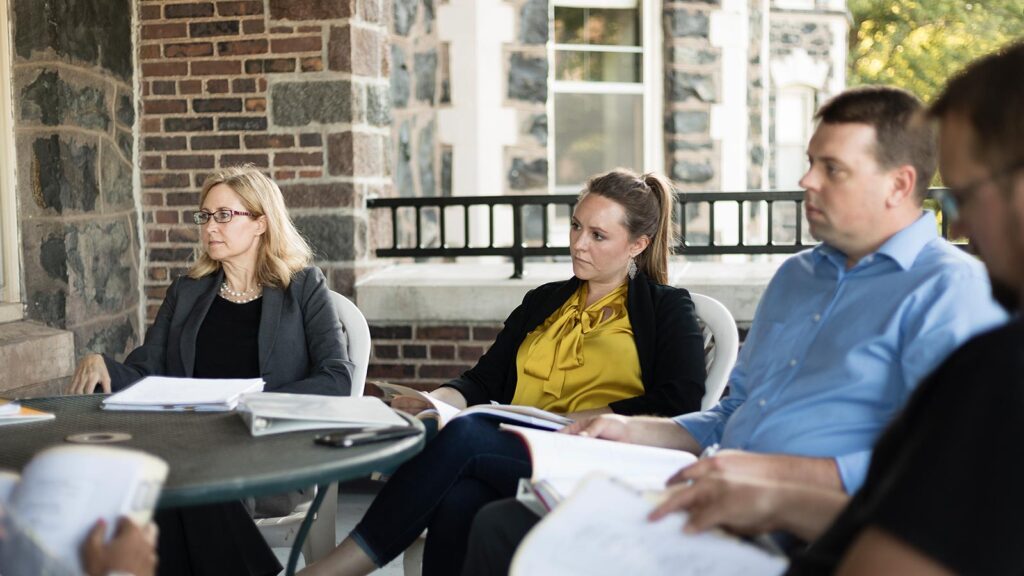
(296, 87)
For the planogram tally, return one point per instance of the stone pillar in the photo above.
(691, 88)
(74, 115)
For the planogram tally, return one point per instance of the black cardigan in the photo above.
(669, 344)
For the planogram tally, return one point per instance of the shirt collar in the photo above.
(902, 248)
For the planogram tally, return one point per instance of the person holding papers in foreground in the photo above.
(843, 334)
(614, 338)
(250, 307)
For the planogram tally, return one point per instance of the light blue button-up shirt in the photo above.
(833, 353)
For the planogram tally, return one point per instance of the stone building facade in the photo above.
(122, 107)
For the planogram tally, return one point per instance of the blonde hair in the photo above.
(648, 202)
(282, 250)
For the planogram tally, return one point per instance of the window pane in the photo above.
(607, 26)
(598, 66)
(595, 133)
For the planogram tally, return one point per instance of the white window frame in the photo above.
(808, 95)
(11, 308)
(650, 87)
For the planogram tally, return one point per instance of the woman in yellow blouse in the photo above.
(614, 338)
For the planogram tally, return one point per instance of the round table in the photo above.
(211, 455)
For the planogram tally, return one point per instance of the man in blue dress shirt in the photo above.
(845, 331)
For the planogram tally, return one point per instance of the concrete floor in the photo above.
(353, 500)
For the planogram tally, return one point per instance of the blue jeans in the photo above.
(469, 464)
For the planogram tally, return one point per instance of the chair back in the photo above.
(721, 345)
(358, 333)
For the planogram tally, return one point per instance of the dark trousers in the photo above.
(212, 540)
(469, 464)
(497, 531)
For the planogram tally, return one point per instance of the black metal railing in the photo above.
(687, 203)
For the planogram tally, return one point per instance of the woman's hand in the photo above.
(132, 550)
(412, 405)
(92, 370)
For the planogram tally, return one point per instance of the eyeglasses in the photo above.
(951, 200)
(201, 217)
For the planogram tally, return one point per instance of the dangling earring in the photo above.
(631, 269)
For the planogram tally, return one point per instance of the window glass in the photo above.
(598, 71)
(595, 133)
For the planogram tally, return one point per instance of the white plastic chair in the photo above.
(281, 532)
(721, 345)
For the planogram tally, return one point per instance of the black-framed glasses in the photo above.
(952, 199)
(201, 217)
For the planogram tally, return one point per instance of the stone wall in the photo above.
(526, 58)
(691, 87)
(419, 86)
(74, 113)
(298, 88)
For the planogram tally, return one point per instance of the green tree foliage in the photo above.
(918, 44)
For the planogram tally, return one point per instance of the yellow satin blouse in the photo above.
(580, 358)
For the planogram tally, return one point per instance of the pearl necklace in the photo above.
(240, 297)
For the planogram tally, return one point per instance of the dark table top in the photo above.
(212, 456)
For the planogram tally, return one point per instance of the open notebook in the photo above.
(64, 490)
(602, 529)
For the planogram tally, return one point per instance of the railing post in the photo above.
(517, 240)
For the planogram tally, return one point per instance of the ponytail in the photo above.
(654, 260)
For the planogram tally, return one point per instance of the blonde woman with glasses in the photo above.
(250, 306)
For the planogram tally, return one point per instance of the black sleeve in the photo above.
(151, 357)
(677, 385)
(488, 379)
(954, 492)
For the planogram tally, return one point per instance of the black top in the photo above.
(669, 344)
(947, 476)
(227, 346)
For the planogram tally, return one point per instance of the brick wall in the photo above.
(426, 355)
(297, 87)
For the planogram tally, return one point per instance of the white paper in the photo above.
(161, 392)
(563, 460)
(65, 490)
(8, 480)
(603, 530)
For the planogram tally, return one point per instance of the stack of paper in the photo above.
(161, 393)
(14, 413)
(273, 412)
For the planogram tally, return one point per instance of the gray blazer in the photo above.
(302, 346)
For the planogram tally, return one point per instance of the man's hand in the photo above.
(607, 426)
(92, 370)
(132, 550)
(819, 472)
(750, 505)
(741, 504)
